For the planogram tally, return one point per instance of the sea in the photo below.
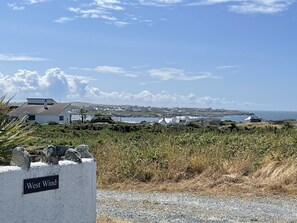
(265, 115)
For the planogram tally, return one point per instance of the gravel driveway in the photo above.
(186, 207)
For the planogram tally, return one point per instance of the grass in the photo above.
(206, 156)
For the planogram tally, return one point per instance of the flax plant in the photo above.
(12, 132)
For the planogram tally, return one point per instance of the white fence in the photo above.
(49, 193)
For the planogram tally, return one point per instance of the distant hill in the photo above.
(148, 111)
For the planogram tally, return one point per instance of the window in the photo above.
(61, 118)
(31, 118)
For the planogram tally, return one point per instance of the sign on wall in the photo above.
(38, 184)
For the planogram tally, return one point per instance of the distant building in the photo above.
(253, 119)
(181, 119)
(176, 120)
(43, 110)
(165, 121)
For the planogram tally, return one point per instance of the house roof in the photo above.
(41, 101)
(32, 109)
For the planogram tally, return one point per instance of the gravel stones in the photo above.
(171, 207)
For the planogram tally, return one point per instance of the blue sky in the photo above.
(234, 54)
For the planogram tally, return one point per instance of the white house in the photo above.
(43, 110)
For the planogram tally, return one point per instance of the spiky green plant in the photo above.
(12, 132)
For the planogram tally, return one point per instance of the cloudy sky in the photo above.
(234, 54)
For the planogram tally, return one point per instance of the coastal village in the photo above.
(45, 110)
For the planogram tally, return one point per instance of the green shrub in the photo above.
(153, 153)
(102, 118)
(52, 123)
(12, 132)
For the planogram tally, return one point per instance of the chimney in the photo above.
(45, 104)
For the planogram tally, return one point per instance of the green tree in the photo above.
(12, 132)
(98, 117)
(83, 114)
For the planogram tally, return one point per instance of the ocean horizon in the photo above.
(265, 115)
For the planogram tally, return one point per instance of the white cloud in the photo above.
(11, 57)
(14, 6)
(23, 80)
(165, 74)
(162, 98)
(109, 70)
(238, 6)
(261, 7)
(249, 6)
(57, 84)
(109, 4)
(53, 83)
(211, 2)
(162, 74)
(87, 13)
(21, 4)
(223, 67)
(32, 2)
(63, 20)
(100, 9)
(117, 12)
(121, 23)
(159, 2)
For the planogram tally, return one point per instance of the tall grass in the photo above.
(144, 153)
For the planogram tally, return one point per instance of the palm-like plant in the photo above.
(12, 132)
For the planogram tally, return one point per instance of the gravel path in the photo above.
(190, 208)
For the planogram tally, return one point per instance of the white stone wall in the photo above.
(74, 201)
(41, 119)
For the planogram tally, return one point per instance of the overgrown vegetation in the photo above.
(154, 153)
(100, 118)
(12, 132)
